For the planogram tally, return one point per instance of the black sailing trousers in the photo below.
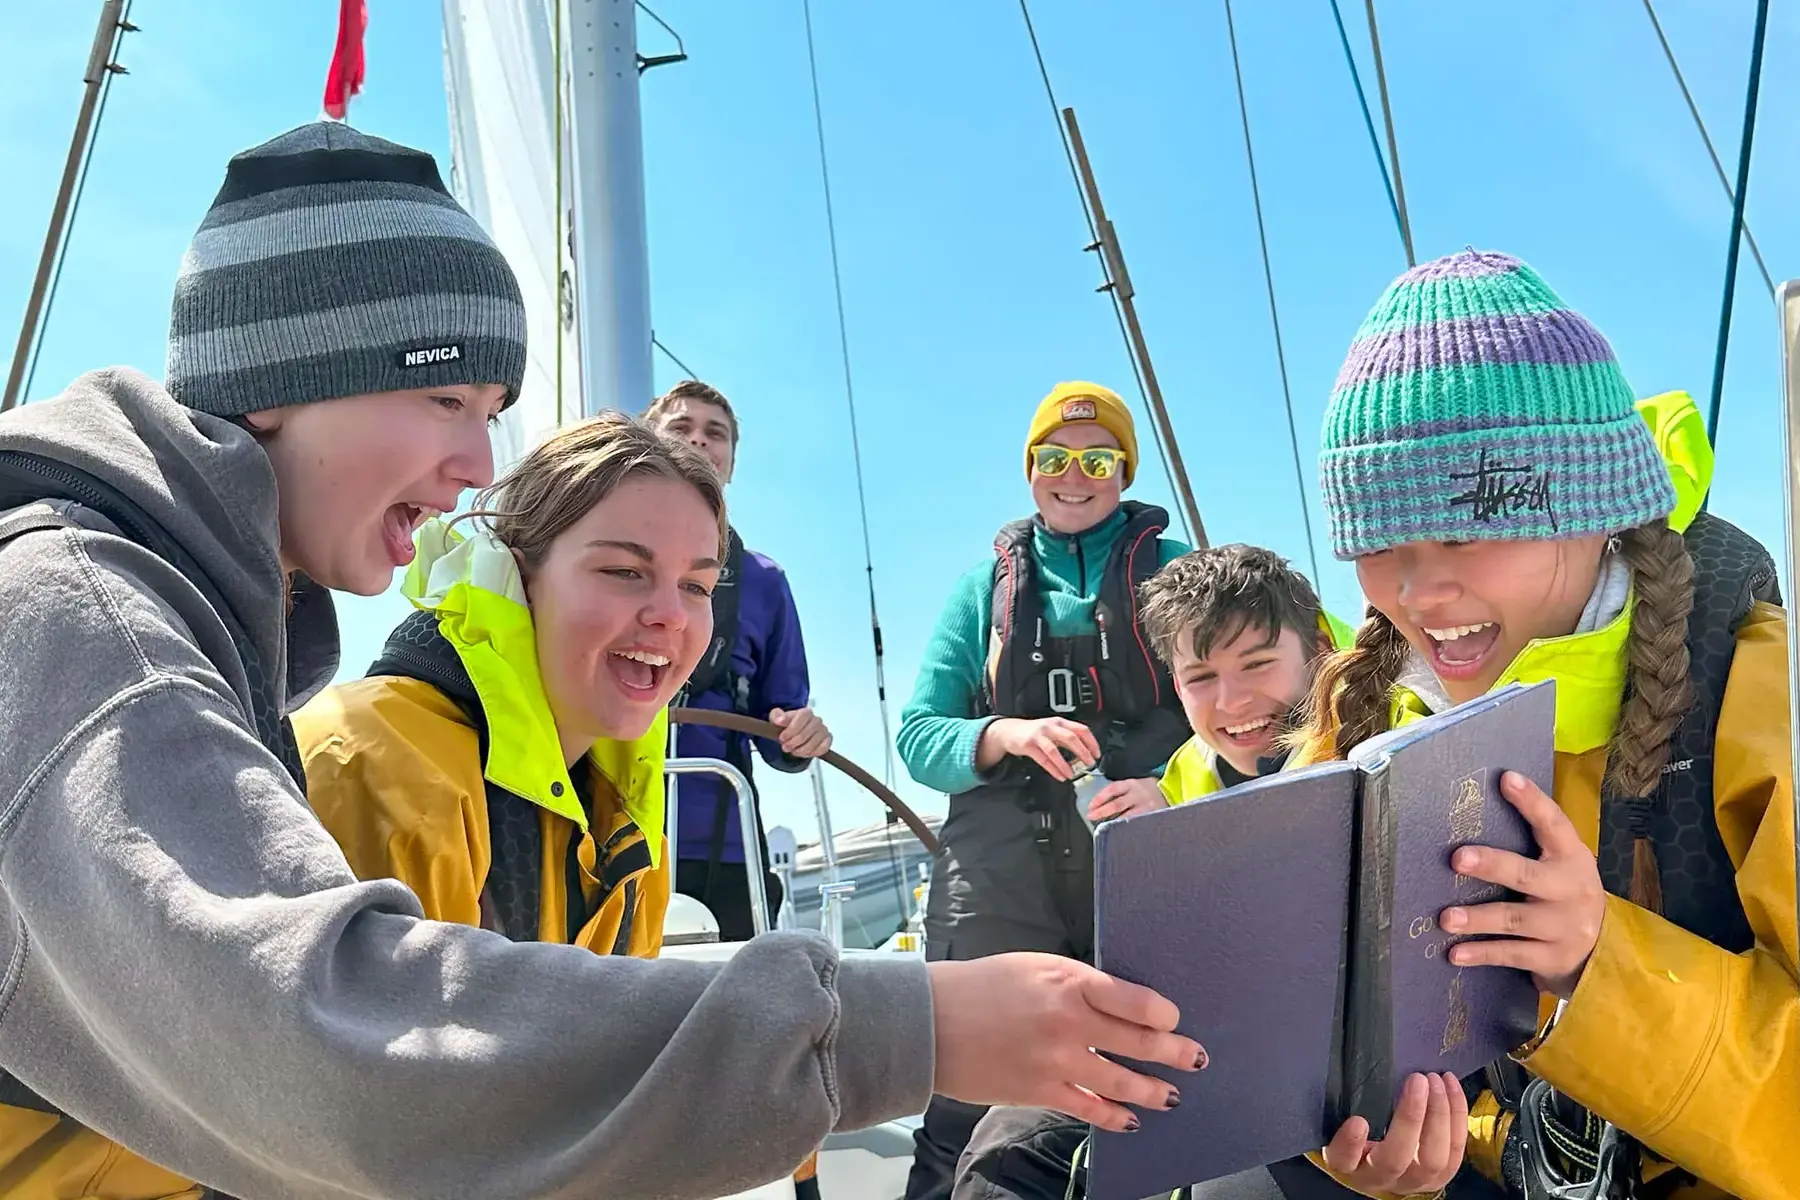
(1007, 878)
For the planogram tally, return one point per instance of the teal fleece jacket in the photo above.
(939, 726)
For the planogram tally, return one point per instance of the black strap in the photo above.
(737, 753)
(715, 664)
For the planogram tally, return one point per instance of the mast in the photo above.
(1120, 282)
(99, 66)
(610, 233)
(1788, 309)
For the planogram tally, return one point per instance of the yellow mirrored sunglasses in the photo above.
(1097, 462)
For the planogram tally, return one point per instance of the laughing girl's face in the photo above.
(622, 606)
(1470, 607)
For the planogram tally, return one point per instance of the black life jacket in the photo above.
(713, 673)
(714, 667)
(513, 889)
(1109, 676)
(1108, 680)
(29, 484)
(1732, 571)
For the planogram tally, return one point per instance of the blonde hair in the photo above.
(563, 477)
(1352, 691)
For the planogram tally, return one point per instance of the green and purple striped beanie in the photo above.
(1475, 406)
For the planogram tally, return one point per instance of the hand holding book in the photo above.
(1424, 1144)
(1298, 922)
(1024, 1029)
(1552, 931)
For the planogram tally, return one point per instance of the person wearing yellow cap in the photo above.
(1039, 697)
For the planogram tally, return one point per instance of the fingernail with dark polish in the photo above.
(1132, 1125)
(1200, 1060)
(1174, 1100)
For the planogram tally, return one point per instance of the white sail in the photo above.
(500, 77)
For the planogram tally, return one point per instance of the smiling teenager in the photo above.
(1511, 519)
(755, 666)
(1241, 632)
(1038, 667)
(198, 986)
(503, 758)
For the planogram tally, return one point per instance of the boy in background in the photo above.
(1241, 632)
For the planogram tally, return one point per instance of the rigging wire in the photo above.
(1694, 110)
(862, 502)
(1094, 234)
(670, 354)
(87, 159)
(563, 282)
(1362, 98)
(1737, 217)
(1387, 116)
(1262, 237)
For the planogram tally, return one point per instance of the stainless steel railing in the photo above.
(755, 870)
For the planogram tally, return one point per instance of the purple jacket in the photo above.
(770, 656)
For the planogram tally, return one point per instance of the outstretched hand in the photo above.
(1022, 1029)
(1423, 1148)
(1552, 932)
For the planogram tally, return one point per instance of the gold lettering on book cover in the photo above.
(1456, 1016)
(1465, 818)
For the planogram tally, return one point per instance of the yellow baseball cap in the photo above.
(1071, 403)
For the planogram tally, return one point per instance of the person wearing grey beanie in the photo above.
(197, 987)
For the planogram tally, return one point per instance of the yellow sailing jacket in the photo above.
(1691, 1049)
(394, 771)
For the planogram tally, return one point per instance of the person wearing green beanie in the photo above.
(1509, 515)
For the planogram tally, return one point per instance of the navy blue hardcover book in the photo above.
(1294, 921)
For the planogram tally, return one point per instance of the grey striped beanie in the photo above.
(335, 264)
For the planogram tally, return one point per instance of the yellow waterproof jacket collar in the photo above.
(1589, 669)
(473, 585)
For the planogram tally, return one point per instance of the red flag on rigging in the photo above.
(346, 77)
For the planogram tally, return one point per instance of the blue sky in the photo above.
(1547, 129)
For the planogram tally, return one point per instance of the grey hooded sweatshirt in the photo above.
(191, 969)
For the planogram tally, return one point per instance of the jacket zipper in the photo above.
(429, 672)
(77, 487)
